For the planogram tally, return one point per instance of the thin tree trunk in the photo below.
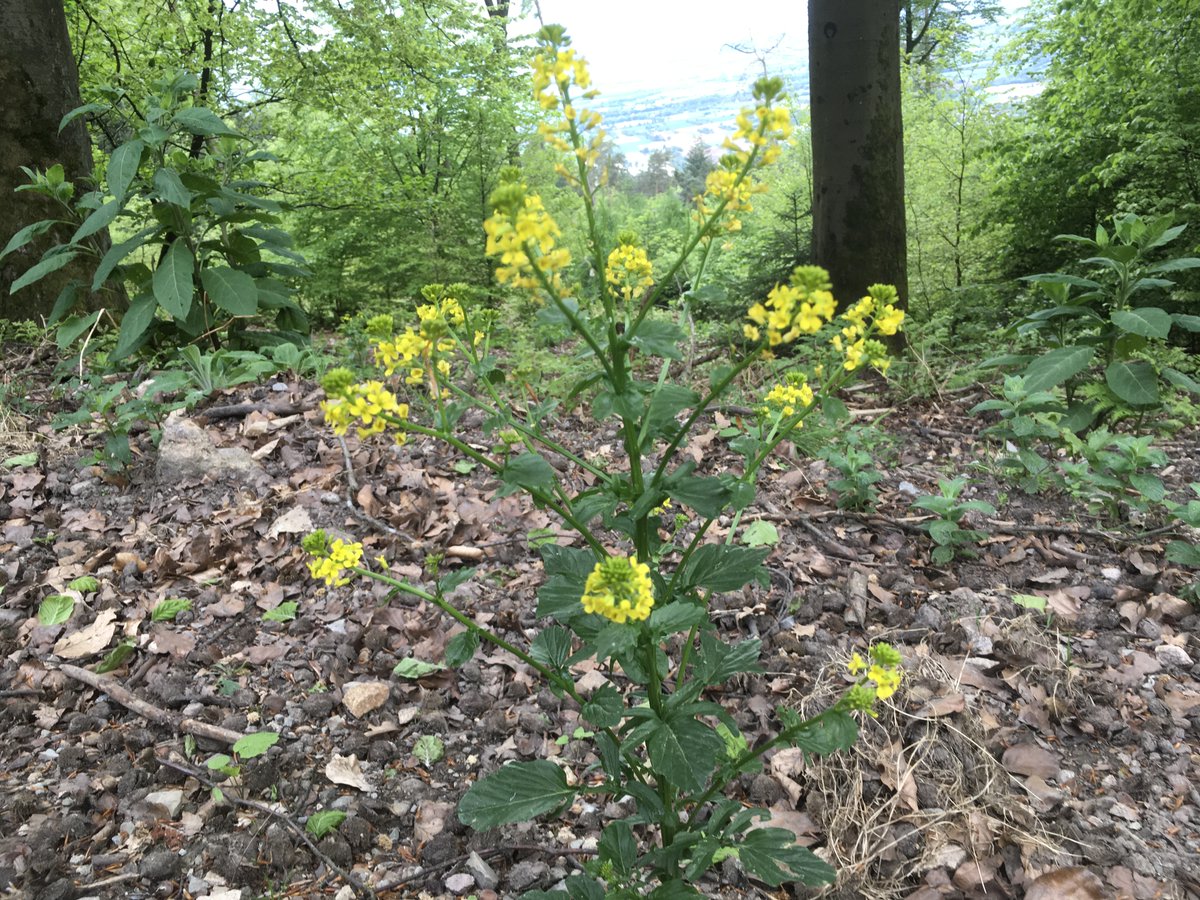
(858, 145)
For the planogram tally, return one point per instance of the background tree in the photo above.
(690, 176)
(1115, 129)
(857, 145)
(39, 84)
(930, 28)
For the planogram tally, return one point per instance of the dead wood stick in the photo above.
(147, 710)
(241, 410)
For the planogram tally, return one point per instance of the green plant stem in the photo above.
(784, 737)
(700, 409)
(563, 510)
(576, 322)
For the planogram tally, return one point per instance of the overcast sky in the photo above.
(643, 43)
(648, 43)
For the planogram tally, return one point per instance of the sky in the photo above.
(638, 44)
(645, 43)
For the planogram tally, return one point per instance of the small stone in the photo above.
(161, 865)
(362, 697)
(460, 883)
(526, 874)
(171, 801)
(483, 874)
(1170, 655)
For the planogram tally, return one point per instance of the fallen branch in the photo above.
(241, 410)
(126, 698)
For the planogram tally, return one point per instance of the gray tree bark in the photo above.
(39, 84)
(858, 145)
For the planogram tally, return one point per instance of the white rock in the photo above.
(1170, 655)
(171, 801)
(460, 883)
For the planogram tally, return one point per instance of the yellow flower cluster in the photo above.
(629, 271)
(789, 311)
(422, 346)
(756, 143)
(341, 556)
(522, 234)
(784, 399)
(883, 675)
(556, 68)
(370, 405)
(619, 589)
(805, 305)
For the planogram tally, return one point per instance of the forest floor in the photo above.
(1038, 753)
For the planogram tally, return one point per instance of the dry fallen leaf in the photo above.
(430, 819)
(346, 770)
(295, 521)
(1075, 883)
(89, 640)
(1030, 759)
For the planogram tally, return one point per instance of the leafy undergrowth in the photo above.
(1048, 726)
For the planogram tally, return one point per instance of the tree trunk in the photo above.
(858, 145)
(39, 84)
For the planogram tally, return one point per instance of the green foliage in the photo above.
(255, 744)
(1102, 135)
(1187, 553)
(55, 609)
(1107, 321)
(168, 609)
(322, 823)
(854, 462)
(202, 260)
(949, 537)
(1112, 469)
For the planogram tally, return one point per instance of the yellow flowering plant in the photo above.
(629, 593)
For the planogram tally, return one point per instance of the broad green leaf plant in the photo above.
(1107, 320)
(632, 590)
(200, 254)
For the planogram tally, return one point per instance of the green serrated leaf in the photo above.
(85, 584)
(115, 657)
(771, 856)
(255, 744)
(685, 752)
(203, 122)
(528, 471)
(284, 612)
(605, 707)
(21, 460)
(722, 567)
(321, 823)
(416, 668)
(55, 609)
(47, 265)
(676, 617)
(461, 648)
(515, 793)
(656, 337)
(429, 749)
(552, 647)
(760, 533)
(1148, 321)
(168, 609)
